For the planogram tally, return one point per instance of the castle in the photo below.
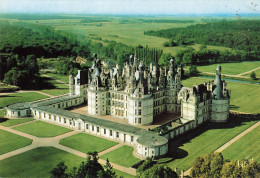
(137, 94)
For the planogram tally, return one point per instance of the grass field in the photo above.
(39, 162)
(243, 96)
(205, 142)
(257, 73)
(126, 30)
(10, 122)
(85, 143)
(122, 156)
(246, 147)
(42, 129)
(231, 68)
(20, 97)
(64, 78)
(56, 89)
(10, 142)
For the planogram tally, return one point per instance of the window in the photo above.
(34, 112)
(135, 103)
(139, 112)
(145, 148)
(132, 138)
(117, 134)
(58, 105)
(111, 133)
(64, 120)
(49, 116)
(105, 131)
(139, 120)
(62, 104)
(86, 126)
(97, 129)
(139, 103)
(44, 115)
(93, 128)
(18, 113)
(140, 89)
(135, 120)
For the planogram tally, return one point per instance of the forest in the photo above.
(20, 40)
(237, 34)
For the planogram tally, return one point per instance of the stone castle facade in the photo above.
(137, 94)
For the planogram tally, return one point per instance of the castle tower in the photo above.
(71, 83)
(220, 102)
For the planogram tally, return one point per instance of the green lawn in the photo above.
(10, 122)
(85, 143)
(56, 89)
(243, 96)
(20, 97)
(246, 147)
(231, 68)
(122, 156)
(42, 129)
(10, 142)
(257, 73)
(206, 142)
(37, 162)
(64, 78)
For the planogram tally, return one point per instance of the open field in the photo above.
(87, 143)
(205, 140)
(246, 147)
(64, 78)
(10, 142)
(37, 162)
(10, 122)
(231, 68)
(257, 73)
(243, 96)
(20, 97)
(126, 30)
(42, 129)
(56, 89)
(40, 161)
(122, 156)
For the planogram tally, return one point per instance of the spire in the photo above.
(218, 87)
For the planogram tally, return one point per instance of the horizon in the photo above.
(132, 7)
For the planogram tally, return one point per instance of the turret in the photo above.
(218, 87)
(71, 84)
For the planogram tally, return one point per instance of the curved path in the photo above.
(54, 142)
(226, 145)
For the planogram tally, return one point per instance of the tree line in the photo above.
(238, 34)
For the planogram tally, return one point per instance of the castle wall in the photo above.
(220, 110)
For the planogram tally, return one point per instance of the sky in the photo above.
(146, 7)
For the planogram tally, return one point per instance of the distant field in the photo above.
(122, 156)
(243, 96)
(42, 129)
(10, 142)
(58, 88)
(87, 143)
(64, 78)
(20, 97)
(246, 147)
(207, 142)
(231, 68)
(126, 30)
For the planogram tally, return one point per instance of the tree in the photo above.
(148, 163)
(159, 171)
(253, 75)
(165, 59)
(193, 70)
(108, 171)
(59, 171)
